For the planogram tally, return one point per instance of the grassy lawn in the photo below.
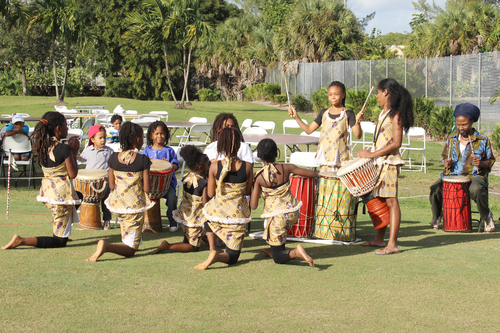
(439, 282)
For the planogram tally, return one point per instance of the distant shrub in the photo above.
(495, 139)
(280, 99)
(423, 110)
(209, 95)
(301, 103)
(167, 96)
(320, 99)
(441, 121)
(262, 91)
(355, 98)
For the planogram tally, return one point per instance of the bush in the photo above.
(167, 96)
(300, 103)
(209, 95)
(262, 91)
(281, 99)
(355, 98)
(320, 100)
(423, 110)
(125, 87)
(441, 121)
(495, 139)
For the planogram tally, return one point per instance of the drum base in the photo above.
(90, 217)
(152, 218)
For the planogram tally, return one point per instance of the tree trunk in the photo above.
(23, 78)
(66, 69)
(184, 72)
(177, 105)
(186, 78)
(54, 68)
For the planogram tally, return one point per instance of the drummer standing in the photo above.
(459, 160)
(333, 147)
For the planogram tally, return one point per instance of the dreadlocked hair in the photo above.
(194, 157)
(400, 102)
(219, 122)
(129, 134)
(341, 86)
(152, 128)
(267, 150)
(44, 130)
(229, 140)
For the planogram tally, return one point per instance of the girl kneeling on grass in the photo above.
(228, 212)
(58, 163)
(190, 211)
(281, 209)
(129, 180)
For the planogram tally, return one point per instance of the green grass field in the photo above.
(439, 282)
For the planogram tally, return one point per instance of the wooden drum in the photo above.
(161, 173)
(92, 183)
(359, 176)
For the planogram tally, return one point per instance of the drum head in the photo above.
(353, 165)
(160, 166)
(456, 179)
(92, 174)
(328, 174)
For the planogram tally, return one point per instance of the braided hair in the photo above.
(219, 122)
(152, 128)
(341, 86)
(229, 140)
(194, 157)
(267, 150)
(129, 134)
(400, 102)
(44, 130)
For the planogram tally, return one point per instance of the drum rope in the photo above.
(104, 185)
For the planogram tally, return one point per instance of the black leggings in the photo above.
(280, 255)
(233, 256)
(50, 242)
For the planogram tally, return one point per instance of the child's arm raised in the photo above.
(306, 128)
(291, 168)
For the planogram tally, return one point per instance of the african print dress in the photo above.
(387, 185)
(129, 202)
(59, 196)
(281, 209)
(190, 211)
(228, 211)
(333, 149)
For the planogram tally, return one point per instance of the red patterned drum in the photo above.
(303, 190)
(456, 204)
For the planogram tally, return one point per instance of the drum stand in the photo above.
(152, 218)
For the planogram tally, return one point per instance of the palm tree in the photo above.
(151, 27)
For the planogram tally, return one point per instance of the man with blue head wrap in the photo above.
(466, 153)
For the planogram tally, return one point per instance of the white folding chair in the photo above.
(415, 146)
(101, 119)
(267, 125)
(366, 127)
(254, 130)
(290, 123)
(64, 109)
(150, 117)
(131, 112)
(303, 159)
(6, 116)
(194, 137)
(17, 144)
(246, 123)
(200, 120)
(162, 114)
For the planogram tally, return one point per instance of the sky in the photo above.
(390, 15)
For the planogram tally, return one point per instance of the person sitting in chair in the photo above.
(18, 127)
(459, 160)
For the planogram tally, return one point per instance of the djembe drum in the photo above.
(92, 183)
(360, 176)
(161, 173)
(335, 210)
(303, 190)
(456, 204)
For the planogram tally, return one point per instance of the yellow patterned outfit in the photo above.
(59, 196)
(190, 211)
(281, 209)
(129, 202)
(333, 147)
(228, 211)
(387, 185)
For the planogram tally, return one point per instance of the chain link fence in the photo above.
(450, 80)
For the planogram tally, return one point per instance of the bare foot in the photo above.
(301, 253)
(99, 251)
(210, 260)
(375, 243)
(268, 252)
(387, 250)
(163, 247)
(14, 242)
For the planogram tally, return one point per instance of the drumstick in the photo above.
(287, 94)
(366, 101)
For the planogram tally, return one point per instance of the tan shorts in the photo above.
(61, 215)
(131, 229)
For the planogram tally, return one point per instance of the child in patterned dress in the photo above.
(396, 117)
(333, 147)
(228, 212)
(58, 163)
(281, 209)
(190, 211)
(129, 181)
